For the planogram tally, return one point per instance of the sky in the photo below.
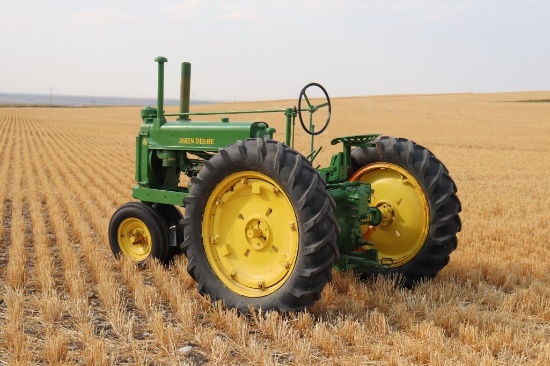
(269, 49)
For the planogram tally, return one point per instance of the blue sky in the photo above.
(256, 50)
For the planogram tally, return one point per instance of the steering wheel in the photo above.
(313, 108)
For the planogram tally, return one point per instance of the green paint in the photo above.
(166, 149)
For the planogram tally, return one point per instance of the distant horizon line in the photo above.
(90, 100)
(87, 100)
(97, 96)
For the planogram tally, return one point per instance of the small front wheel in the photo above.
(138, 231)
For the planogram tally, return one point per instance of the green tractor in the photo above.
(262, 227)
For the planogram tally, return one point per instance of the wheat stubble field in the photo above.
(66, 300)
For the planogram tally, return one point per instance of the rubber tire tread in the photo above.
(314, 208)
(151, 218)
(441, 193)
(172, 217)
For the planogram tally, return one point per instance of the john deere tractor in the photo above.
(262, 227)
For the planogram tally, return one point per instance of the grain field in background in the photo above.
(66, 300)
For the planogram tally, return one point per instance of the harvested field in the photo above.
(65, 299)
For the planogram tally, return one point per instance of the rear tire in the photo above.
(259, 228)
(421, 204)
(138, 231)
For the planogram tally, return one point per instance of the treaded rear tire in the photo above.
(312, 205)
(440, 192)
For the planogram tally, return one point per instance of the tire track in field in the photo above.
(52, 173)
(80, 280)
(55, 310)
(7, 130)
(33, 326)
(40, 304)
(6, 152)
(5, 234)
(168, 310)
(5, 230)
(70, 150)
(16, 259)
(7, 139)
(7, 143)
(15, 337)
(99, 268)
(171, 286)
(85, 220)
(47, 173)
(55, 341)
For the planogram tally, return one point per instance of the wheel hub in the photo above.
(137, 237)
(388, 214)
(257, 234)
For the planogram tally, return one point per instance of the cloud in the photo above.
(436, 12)
(100, 17)
(237, 12)
(432, 11)
(183, 9)
(22, 22)
(226, 11)
(338, 7)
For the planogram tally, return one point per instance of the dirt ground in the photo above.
(66, 300)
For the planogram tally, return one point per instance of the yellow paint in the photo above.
(406, 214)
(247, 240)
(134, 239)
(196, 141)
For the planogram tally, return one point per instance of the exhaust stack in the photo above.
(185, 90)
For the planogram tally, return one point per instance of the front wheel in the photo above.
(259, 228)
(139, 232)
(418, 201)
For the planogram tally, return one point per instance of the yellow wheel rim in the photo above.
(250, 234)
(405, 211)
(134, 239)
